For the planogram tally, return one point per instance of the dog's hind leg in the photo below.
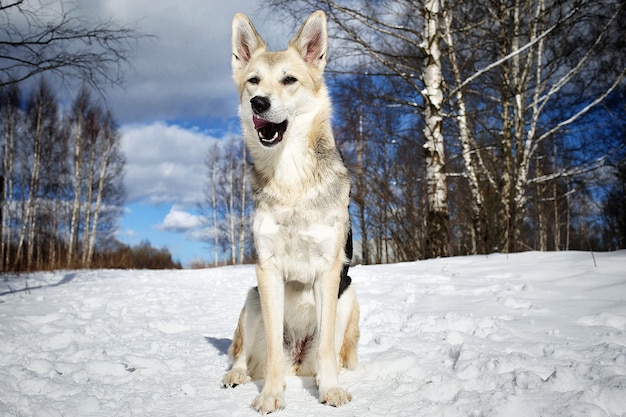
(238, 353)
(247, 351)
(348, 351)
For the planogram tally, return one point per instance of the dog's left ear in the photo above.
(311, 41)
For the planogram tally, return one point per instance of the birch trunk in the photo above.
(231, 210)
(104, 163)
(469, 150)
(10, 121)
(216, 235)
(242, 213)
(92, 131)
(27, 228)
(34, 185)
(77, 186)
(362, 190)
(437, 240)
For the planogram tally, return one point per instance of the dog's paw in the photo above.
(235, 377)
(266, 403)
(335, 397)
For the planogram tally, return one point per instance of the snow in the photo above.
(530, 334)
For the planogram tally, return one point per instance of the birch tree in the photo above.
(243, 201)
(10, 116)
(473, 165)
(102, 168)
(40, 113)
(227, 205)
(93, 135)
(210, 207)
(54, 188)
(79, 114)
(437, 226)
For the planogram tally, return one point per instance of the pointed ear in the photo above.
(312, 40)
(246, 41)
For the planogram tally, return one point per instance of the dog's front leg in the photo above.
(272, 294)
(326, 289)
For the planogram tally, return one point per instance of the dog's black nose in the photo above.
(260, 104)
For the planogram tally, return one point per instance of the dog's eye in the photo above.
(254, 80)
(288, 80)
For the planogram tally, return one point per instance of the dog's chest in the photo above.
(300, 244)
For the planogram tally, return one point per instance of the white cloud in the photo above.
(129, 233)
(178, 220)
(164, 163)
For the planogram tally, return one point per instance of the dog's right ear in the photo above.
(246, 41)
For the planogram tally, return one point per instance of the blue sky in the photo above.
(178, 99)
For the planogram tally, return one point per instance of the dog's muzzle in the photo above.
(269, 133)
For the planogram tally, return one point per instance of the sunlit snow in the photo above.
(531, 334)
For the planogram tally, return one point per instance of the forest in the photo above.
(468, 127)
(61, 167)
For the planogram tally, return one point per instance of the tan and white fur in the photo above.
(303, 318)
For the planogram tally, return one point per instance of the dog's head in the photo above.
(275, 88)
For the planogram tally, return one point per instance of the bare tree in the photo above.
(105, 171)
(226, 208)
(40, 112)
(92, 132)
(438, 221)
(10, 117)
(210, 207)
(79, 114)
(243, 200)
(47, 36)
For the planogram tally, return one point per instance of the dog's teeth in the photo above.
(275, 135)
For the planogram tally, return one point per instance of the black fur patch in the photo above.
(345, 281)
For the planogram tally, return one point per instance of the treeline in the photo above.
(468, 126)
(61, 179)
(140, 256)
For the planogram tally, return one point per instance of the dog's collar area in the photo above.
(269, 133)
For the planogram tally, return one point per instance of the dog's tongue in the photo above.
(260, 123)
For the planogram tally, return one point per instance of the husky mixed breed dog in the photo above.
(303, 318)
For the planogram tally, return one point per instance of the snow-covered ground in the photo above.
(531, 334)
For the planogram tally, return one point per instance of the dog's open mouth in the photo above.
(269, 133)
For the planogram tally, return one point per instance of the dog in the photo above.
(303, 317)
